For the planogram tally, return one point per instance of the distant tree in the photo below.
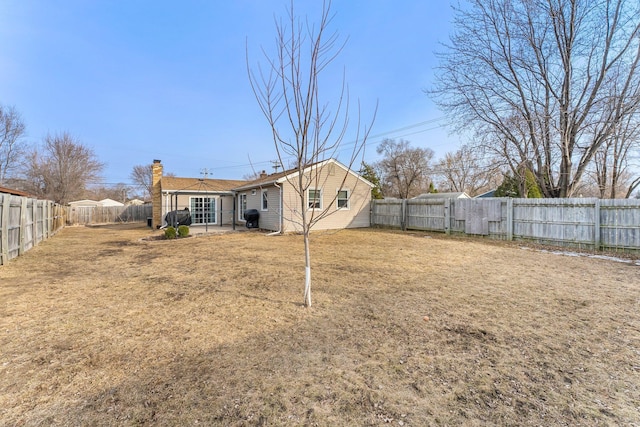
(12, 146)
(369, 173)
(119, 192)
(611, 169)
(466, 170)
(523, 185)
(303, 126)
(142, 178)
(252, 176)
(62, 168)
(543, 82)
(404, 170)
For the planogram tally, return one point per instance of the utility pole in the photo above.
(275, 165)
(205, 172)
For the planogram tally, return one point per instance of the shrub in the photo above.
(183, 231)
(170, 233)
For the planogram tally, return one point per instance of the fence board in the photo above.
(106, 215)
(24, 222)
(580, 223)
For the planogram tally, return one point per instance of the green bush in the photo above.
(170, 233)
(183, 231)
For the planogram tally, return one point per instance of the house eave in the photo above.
(214, 192)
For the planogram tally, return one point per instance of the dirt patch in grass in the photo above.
(101, 327)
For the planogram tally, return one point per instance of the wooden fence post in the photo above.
(34, 222)
(5, 202)
(596, 224)
(509, 219)
(403, 215)
(447, 216)
(23, 225)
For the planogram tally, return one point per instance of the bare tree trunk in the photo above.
(307, 270)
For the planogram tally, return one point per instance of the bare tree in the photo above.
(303, 126)
(611, 169)
(404, 170)
(142, 177)
(62, 169)
(467, 170)
(546, 82)
(12, 130)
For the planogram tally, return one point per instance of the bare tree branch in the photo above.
(543, 83)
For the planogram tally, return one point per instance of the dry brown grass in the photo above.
(98, 327)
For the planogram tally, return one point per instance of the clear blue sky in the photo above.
(138, 80)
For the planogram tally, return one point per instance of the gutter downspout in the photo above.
(234, 194)
(281, 213)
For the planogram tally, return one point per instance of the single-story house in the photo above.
(87, 203)
(332, 186)
(210, 201)
(343, 191)
(107, 203)
(135, 202)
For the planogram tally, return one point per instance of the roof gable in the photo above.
(281, 177)
(109, 202)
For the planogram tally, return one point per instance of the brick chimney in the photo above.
(263, 174)
(156, 193)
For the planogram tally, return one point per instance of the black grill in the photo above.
(252, 217)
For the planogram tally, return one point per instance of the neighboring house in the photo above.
(490, 193)
(460, 195)
(87, 203)
(107, 203)
(13, 192)
(223, 202)
(135, 202)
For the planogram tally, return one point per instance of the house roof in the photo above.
(83, 202)
(14, 192)
(198, 185)
(490, 193)
(265, 180)
(136, 202)
(459, 195)
(109, 202)
(280, 177)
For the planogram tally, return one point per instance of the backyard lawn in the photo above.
(100, 326)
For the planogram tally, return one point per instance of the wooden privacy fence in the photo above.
(600, 224)
(25, 222)
(108, 214)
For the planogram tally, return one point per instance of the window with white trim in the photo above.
(314, 199)
(265, 200)
(342, 199)
(242, 205)
(203, 210)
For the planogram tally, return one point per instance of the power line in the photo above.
(347, 144)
